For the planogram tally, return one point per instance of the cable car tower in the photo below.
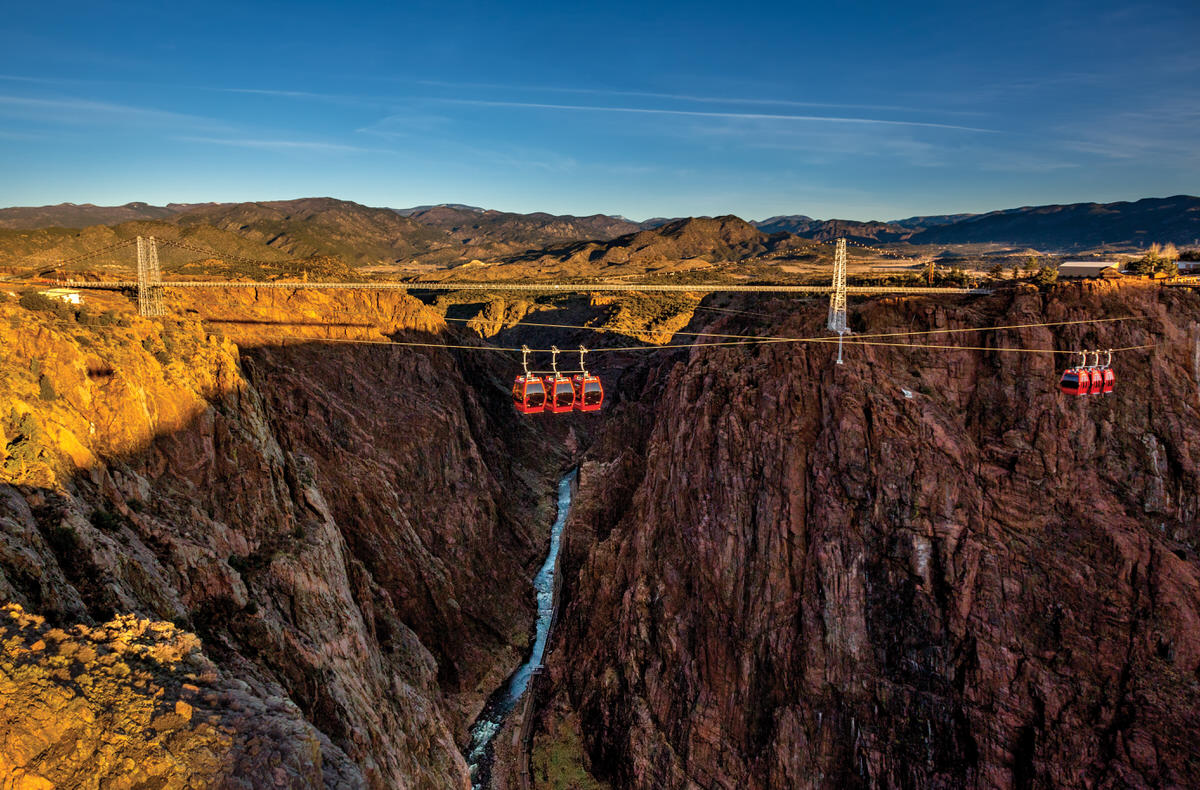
(837, 298)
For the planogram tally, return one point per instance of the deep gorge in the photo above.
(776, 573)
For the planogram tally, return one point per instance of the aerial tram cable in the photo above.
(760, 338)
(989, 348)
(555, 392)
(741, 340)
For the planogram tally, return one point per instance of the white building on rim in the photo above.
(68, 295)
(1088, 269)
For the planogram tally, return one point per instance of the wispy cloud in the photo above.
(1164, 129)
(86, 112)
(683, 97)
(289, 94)
(417, 135)
(334, 98)
(751, 116)
(6, 135)
(824, 144)
(39, 80)
(410, 125)
(279, 145)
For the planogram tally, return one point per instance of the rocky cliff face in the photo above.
(922, 569)
(338, 524)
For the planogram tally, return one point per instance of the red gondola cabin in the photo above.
(1075, 382)
(562, 394)
(1097, 382)
(1110, 380)
(589, 393)
(529, 394)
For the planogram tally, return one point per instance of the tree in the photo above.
(1143, 266)
(1045, 278)
(996, 271)
(1159, 258)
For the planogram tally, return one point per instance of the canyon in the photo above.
(336, 527)
(922, 569)
(256, 543)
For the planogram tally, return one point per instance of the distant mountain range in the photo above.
(82, 215)
(1052, 228)
(450, 234)
(1077, 225)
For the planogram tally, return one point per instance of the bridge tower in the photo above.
(837, 297)
(149, 278)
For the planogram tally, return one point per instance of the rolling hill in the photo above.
(484, 228)
(357, 234)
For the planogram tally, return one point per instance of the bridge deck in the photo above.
(527, 286)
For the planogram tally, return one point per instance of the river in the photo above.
(479, 752)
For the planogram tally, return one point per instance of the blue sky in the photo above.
(849, 110)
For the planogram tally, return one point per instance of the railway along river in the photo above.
(479, 752)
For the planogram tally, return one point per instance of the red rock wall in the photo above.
(338, 523)
(784, 573)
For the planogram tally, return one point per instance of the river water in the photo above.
(479, 753)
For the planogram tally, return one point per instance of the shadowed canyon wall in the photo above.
(266, 566)
(292, 565)
(922, 569)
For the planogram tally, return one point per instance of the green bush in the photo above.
(105, 520)
(46, 389)
(41, 303)
(63, 541)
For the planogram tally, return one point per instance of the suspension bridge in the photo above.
(150, 285)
